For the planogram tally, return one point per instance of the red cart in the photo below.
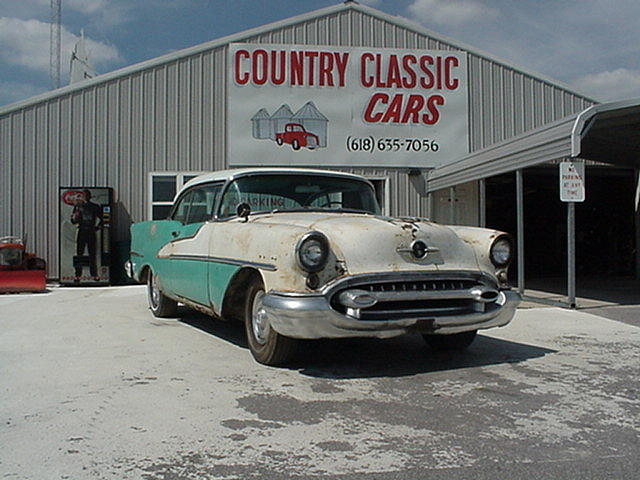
(20, 271)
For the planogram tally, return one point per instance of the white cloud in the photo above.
(26, 43)
(449, 12)
(14, 91)
(86, 6)
(611, 85)
(96, 13)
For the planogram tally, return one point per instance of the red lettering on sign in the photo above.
(450, 82)
(365, 81)
(433, 116)
(403, 108)
(311, 56)
(342, 59)
(425, 65)
(326, 67)
(329, 69)
(71, 197)
(368, 113)
(407, 63)
(241, 78)
(260, 58)
(278, 80)
(297, 68)
(413, 108)
(394, 111)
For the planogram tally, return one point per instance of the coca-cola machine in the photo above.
(85, 235)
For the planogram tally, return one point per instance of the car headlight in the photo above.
(501, 251)
(312, 251)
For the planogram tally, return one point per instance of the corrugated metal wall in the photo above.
(173, 117)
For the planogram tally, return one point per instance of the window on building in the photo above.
(380, 185)
(163, 187)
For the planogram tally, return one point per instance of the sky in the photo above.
(593, 46)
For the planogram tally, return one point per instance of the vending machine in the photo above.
(85, 235)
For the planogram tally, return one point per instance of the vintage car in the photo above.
(306, 254)
(297, 136)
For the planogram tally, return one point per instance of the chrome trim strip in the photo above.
(474, 293)
(135, 254)
(229, 261)
(439, 275)
(390, 315)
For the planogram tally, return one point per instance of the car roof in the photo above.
(225, 175)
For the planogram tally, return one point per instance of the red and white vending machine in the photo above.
(85, 235)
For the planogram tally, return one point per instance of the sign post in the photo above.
(572, 190)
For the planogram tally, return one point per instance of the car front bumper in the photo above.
(312, 317)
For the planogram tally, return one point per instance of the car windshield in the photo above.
(288, 192)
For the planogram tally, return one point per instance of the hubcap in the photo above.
(259, 321)
(155, 293)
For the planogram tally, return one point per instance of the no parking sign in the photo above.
(572, 182)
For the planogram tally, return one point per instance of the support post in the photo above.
(520, 233)
(571, 254)
(483, 202)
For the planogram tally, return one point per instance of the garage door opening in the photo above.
(605, 226)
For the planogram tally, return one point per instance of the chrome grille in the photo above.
(415, 286)
(423, 299)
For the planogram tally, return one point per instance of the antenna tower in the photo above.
(54, 43)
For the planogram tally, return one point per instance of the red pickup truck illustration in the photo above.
(296, 135)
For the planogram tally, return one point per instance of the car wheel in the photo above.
(450, 343)
(160, 305)
(295, 144)
(279, 141)
(267, 346)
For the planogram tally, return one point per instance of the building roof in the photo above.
(309, 112)
(261, 114)
(606, 133)
(283, 112)
(247, 34)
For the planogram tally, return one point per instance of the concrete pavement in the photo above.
(94, 387)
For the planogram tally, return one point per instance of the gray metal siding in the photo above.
(172, 116)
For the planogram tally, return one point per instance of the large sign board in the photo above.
(572, 181)
(341, 106)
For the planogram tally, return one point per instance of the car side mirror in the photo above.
(243, 211)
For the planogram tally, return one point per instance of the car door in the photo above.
(189, 253)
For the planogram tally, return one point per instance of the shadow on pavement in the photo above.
(371, 357)
(404, 356)
(232, 332)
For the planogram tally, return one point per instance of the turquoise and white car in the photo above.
(305, 254)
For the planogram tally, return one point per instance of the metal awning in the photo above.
(608, 133)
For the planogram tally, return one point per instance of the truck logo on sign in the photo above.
(306, 128)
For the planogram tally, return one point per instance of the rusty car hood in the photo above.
(368, 243)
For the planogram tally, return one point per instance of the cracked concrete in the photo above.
(93, 389)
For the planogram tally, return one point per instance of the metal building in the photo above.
(145, 129)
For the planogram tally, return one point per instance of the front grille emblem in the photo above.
(418, 249)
